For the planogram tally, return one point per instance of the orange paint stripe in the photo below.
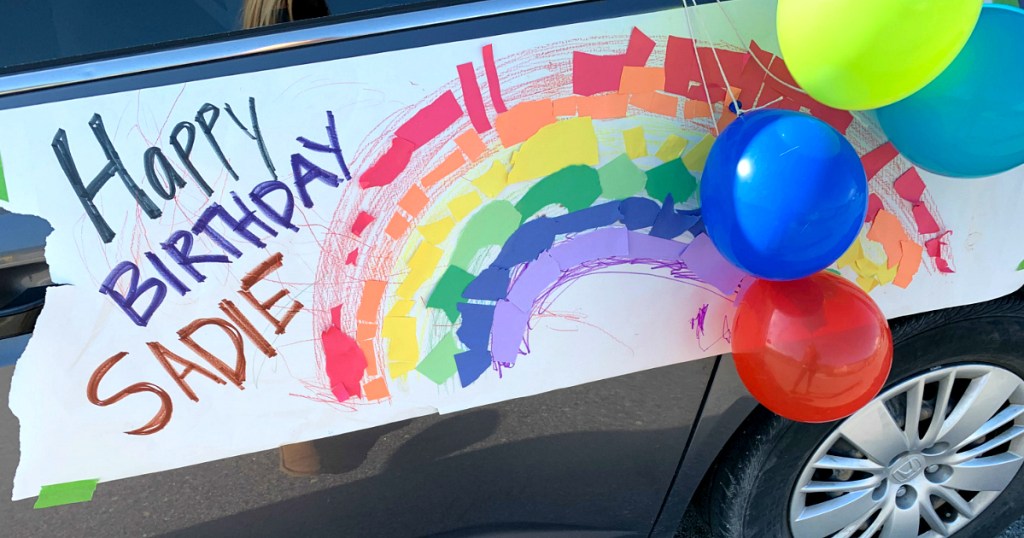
(369, 305)
(450, 164)
(397, 227)
(523, 121)
(725, 120)
(365, 331)
(642, 79)
(696, 109)
(603, 107)
(414, 201)
(566, 106)
(471, 144)
(371, 357)
(658, 103)
(376, 389)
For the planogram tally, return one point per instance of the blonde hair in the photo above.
(257, 13)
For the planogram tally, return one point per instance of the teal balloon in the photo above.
(968, 122)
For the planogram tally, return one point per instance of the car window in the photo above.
(40, 33)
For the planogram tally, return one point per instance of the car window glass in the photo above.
(40, 33)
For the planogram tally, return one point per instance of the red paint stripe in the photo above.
(874, 206)
(388, 166)
(473, 98)
(839, 119)
(352, 256)
(363, 219)
(493, 83)
(875, 160)
(431, 120)
(639, 49)
(424, 126)
(680, 65)
(345, 363)
(593, 74)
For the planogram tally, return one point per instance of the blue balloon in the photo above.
(968, 122)
(783, 194)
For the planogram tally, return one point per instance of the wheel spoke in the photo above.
(842, 463)
(980, 402)
(993, 473)
(931, 517)
(941, 406)
(955, 500)
(1003, 438)
(874, 432)
(1001, 419)
(852, 528)
(883, 516)
(915, 400)
(833, 515)
(843, 486)
(901, 522)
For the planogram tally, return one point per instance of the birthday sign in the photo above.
(279, 256)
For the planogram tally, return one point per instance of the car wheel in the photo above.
(938, 452)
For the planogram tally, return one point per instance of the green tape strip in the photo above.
(3, 184)
(66, 493)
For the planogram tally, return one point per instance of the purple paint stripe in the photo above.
(705, 261)
(596, 245)
(537, 279)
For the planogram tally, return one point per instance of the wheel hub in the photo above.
(906, 468)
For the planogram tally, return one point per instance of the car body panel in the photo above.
(597, 457)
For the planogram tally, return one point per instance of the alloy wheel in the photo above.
(924, 458)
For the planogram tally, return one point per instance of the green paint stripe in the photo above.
(491, 225)
(671, 178)
(448, 291)
(573, 187)
(67, 493)
(3, 183)
(439, 365)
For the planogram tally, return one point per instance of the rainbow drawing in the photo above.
(480, 212)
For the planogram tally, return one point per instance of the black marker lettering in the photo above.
(166, 190)
(185, 153)
(255, 134)
(87, 194)
(206, 125)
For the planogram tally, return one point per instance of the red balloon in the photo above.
(811, 350)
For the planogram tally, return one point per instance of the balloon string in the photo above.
(714, 52)
(746, 45)
(700, 69)
(766, 105)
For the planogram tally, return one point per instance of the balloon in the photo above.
(783, 194)
(864, 54)
(969, 121)
(811, 350)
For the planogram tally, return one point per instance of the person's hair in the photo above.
(257, 13)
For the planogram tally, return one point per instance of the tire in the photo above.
(751, 489)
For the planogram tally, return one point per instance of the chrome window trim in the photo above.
(89, 71)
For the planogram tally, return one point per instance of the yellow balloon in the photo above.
(866, 54)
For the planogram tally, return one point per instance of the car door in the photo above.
(598, 458)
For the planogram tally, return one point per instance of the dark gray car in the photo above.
(938, 452)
